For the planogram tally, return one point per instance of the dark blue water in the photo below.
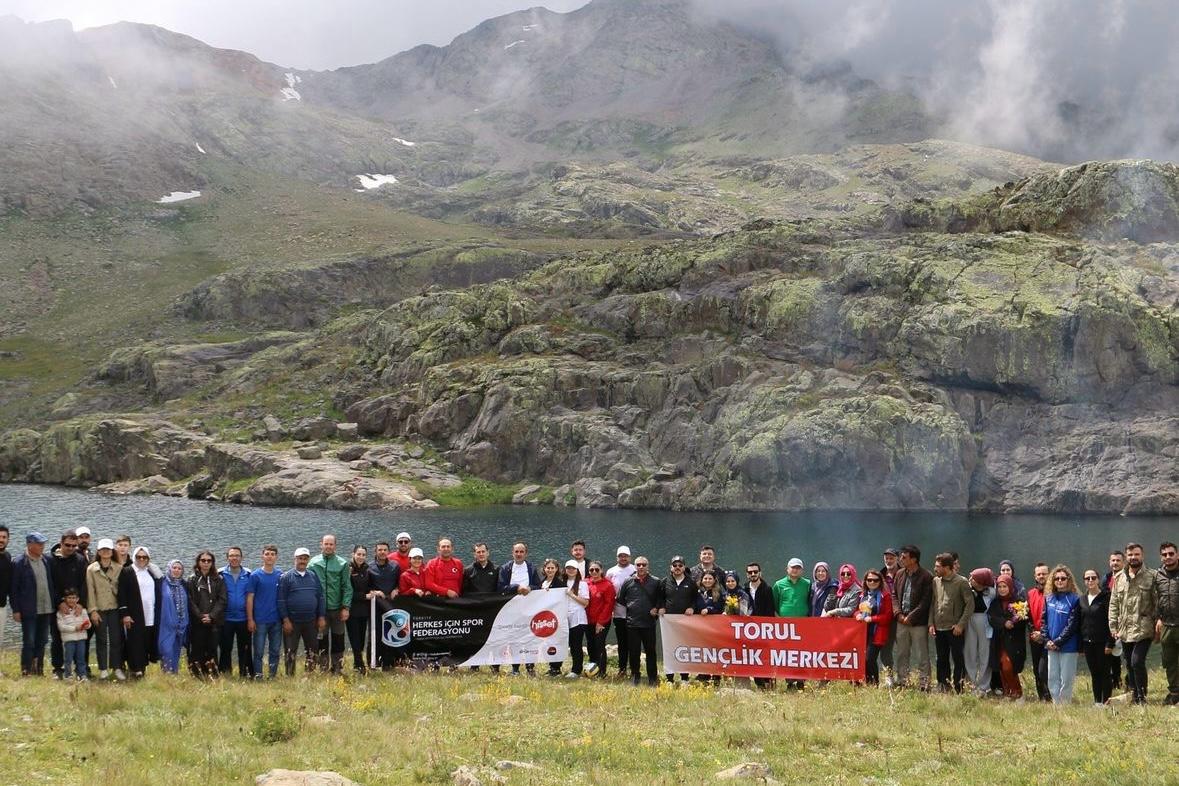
(179, 528)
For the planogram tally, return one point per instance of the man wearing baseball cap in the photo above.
(32, 602)
(84, 535)
(303, 611)
(401, 556)
(69, 570)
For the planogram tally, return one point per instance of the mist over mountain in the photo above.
(1063, 80)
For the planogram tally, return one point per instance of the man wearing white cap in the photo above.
(83, 534)
(302, 608)
(102, 589)
(618, 574)
(401, 556)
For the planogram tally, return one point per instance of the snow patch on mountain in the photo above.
(289, 93)
(178, 196)
(514, 43)
(200, 149)
(371, 181)
(405, 142)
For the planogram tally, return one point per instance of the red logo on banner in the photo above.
(544, 624)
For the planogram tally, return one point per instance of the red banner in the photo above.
(796, 648)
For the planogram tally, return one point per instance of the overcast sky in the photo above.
(298, 33)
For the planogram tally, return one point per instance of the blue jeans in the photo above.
(75, 659)
(270, 634)
(34, 636)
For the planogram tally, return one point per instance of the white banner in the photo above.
(530, 628)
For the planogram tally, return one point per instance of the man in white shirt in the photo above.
(618, 576)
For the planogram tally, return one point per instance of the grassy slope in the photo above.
(84, 286)
(398, 729)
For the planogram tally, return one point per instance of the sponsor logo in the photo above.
(551, 651)
(395, 628)
(544, 624)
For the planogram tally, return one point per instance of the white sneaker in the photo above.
(104, 674)
(120, 676)
(572, 676)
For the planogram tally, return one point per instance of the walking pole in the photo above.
(372, 632)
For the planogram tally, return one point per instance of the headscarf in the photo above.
(135, 553)
(1019, 588)
(743, 601)
(1012, 596)
(178, 593)
(820, 590)
(845, 585)
(984, 577)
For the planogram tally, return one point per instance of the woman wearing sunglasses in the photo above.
(1096, 640)
(874, 607)
(1060, 629)
(598, 614)
(846, 597)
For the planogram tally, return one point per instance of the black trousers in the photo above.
(1134, 654)
(576, 638)
(871, 666)
(202, 647)
(597, 645)
(357, 637)
(307, 633)
(640, 641)
(1096, 660)
(622, 634)
(139, 647)
(950, 647)
(245, 649)
(1040, 670)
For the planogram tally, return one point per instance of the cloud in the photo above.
(295, 33)
(1062, 79)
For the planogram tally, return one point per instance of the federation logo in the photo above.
(544, 624)
(395, 628)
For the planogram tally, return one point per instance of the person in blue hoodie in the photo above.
(1061, 633)
(173, 628)
(236, 626)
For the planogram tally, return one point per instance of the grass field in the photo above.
(402, 728)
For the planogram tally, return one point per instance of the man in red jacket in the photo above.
(1035, 617)
(444, 574)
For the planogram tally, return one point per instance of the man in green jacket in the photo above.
(1132, 618)
(792, 591)
(953, 603)
(333, 574)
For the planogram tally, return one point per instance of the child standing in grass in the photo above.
(73, 622)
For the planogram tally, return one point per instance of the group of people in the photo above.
(983, 625)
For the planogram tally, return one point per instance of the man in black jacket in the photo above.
(640, 594)
(761, 595)
(481, 576)
(677, 596)
(69, 570)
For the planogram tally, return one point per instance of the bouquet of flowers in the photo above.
(732, 605)
(1019, 611)
(864, 610)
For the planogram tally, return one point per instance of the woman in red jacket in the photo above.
(875, 608)
(599, 613)
(413, 581)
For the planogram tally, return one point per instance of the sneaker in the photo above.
(120, 675)
(104, 674)
(1171, 700)
(573, 675)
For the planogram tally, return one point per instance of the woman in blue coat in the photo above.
(1061, 628)
(173, 617)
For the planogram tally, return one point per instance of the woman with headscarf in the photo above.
(1007, 568)
(207, 601)
(874, 607)
(978, 631)
(1008, 618)
(736, 600)
(173, 634)
(842, 602)
(822, 585)
(139, 610)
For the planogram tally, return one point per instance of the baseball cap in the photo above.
(36, 537)
(890, 551)
(678, 558)
(82, 531)
(794, 562)
(415, 552)
(572, 563)
(403, 536)
(302, 551)
(105, 543)
(623, 550)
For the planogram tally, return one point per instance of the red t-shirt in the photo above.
(444, 574)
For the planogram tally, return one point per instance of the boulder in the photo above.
(238, 462)
(275, 431)
(746, 771)
(596, 493)
(309, 452)
(302, 778)
(526, 495)
(351, 452)
(329, 484)
(347, 430)
(314, 429)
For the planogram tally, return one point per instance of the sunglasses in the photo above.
(1060, 578)
(845, 573)
(640, 564)
(871, 581)
(204, 559)
(403, 541)
(752, 572)
(595, 570)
